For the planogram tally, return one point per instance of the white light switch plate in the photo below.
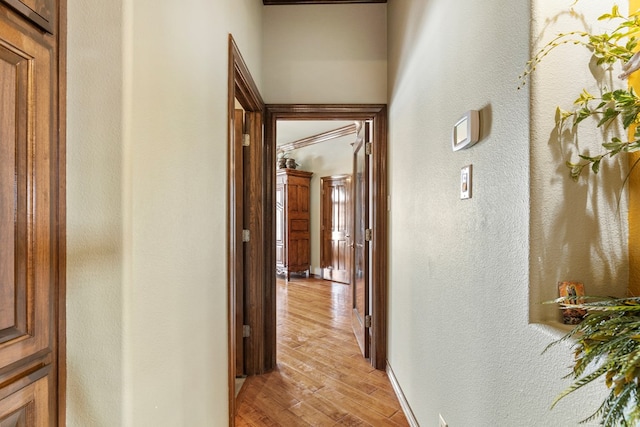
(465, 182)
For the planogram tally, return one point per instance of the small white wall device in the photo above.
(466, 131)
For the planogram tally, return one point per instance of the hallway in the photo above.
(321, 378)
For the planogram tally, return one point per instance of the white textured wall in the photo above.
(576, 231)
(95, 363)
(460, 341)
(147, 120)
(333, 157)
(325, 54)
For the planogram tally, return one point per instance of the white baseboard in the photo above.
(408, 413)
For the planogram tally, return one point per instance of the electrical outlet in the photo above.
(442, 422)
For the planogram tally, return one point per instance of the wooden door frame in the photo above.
(379, 188)
(242, 87)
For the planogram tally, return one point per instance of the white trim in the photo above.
(408, 413)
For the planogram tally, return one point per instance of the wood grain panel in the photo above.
(15, 76)
(31, 218)
(8, 189)
(299, 225)
(28, 63)
(28, 407)
(39, 12)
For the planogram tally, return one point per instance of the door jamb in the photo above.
(380, 191)
(242, 87)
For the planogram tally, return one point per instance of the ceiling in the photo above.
(272, 2)
(293, 130)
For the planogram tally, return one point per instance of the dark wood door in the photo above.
(31, 221)
(238, 201)
(281, 227)
(361, 318)
(335, 243)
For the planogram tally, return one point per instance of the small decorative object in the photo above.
(291, 163)
(571, 293)
(282, 159)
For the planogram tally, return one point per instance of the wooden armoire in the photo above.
(293, 222)
(32, 213)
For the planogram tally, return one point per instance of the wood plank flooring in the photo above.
(321, 378)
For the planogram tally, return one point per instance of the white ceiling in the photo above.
(293, 130)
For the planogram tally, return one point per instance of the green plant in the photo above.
(608, 344)
(621, 105)
(607, 341)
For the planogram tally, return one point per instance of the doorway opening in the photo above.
(251, 221)
(376, 117)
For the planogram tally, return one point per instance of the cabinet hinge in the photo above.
(368, 234)
(368, 148)
(246, 235)
(246, 331)
(246, 139)
(367, 321)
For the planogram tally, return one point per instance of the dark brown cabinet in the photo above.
(293, 243)
(31, 213)
(42, 13)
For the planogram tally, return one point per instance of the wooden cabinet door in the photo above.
(293, 221)
(29, 221)
(298, 222)
(28, 406)
(40, 12)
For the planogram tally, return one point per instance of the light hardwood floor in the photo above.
(321, 378)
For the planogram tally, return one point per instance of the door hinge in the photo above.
(246, 331)
(246, 139)
(246, 236)
(367, 321)
(368, 148)
(368, 234)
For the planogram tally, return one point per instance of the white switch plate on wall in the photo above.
(465, 182)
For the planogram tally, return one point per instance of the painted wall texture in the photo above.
(147, 144)
(460, 340)
(325, 54)
(577, 231)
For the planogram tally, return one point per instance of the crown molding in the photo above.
(316, 139)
